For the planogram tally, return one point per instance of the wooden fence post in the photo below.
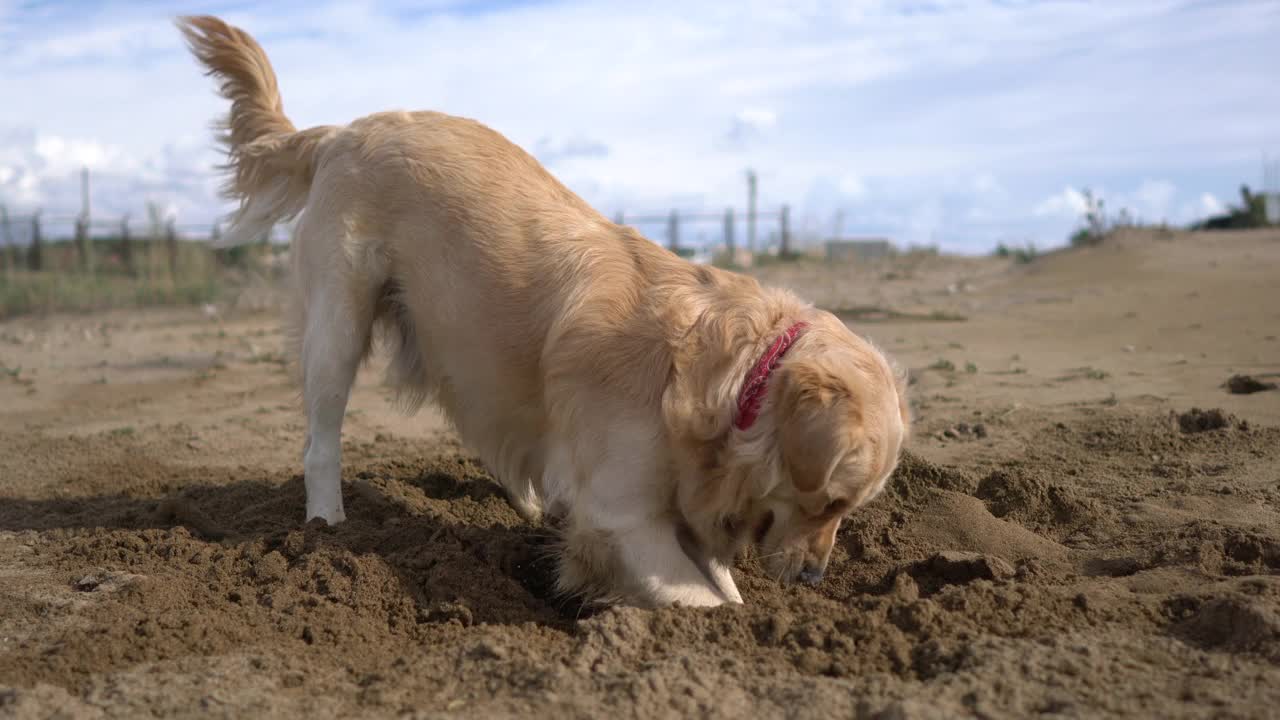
(728, 237)
(35, 254)
(220, 255)
(126, 248)
(673, 232)
(263, 254)
(148, 259)
(785, 231)
(617, 219)
(171, 245)
(83, 251)
(751, 211)
(10, 253)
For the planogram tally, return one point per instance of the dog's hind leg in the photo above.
(339, 307)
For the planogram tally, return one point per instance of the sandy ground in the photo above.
(1074, 532)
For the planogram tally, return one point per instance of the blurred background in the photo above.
(724, 130)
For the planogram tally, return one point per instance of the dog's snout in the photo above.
(810, 575)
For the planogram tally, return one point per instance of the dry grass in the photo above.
(25, 293)
(196, 278)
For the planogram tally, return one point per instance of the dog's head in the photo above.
(828, 436)
(839, 419)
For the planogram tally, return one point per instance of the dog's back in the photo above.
(502, 292)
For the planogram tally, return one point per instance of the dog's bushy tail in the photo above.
(269, 163)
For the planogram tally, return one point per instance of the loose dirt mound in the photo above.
(962, 587)
(1054, 544)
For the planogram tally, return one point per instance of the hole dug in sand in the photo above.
(959, 582)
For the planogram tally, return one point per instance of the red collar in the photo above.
(753, 387)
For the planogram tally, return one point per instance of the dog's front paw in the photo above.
(586, 566)
(330, 515)
(687, 597)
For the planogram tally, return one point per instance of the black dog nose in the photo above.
(810, 575)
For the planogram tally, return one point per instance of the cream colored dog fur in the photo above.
(596, 374)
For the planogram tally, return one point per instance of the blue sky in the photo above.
(957, 122)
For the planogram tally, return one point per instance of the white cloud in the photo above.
(750, 124)
(57, 156)
(987, 184)
(1210, 205)
(1198, 208)
(852, 186)
(552, 152)
(1067, 203)
(973, 111)
(40, 171)
(757, 119)
(1153, 200)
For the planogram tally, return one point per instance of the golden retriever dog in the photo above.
(666, 415)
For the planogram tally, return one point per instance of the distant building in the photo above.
(859, 249)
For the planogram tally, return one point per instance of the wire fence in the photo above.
(68, 243)
(84, 242)
(73, 242)
(729, 234)
(54, 261)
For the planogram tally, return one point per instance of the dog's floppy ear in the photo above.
(813, 415)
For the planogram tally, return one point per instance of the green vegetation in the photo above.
(1093, 373)
(124, 272)
(24, 292)
(1021, 255)
(157, 266)
(1251, 213)
(1097, 224)
(765, 259)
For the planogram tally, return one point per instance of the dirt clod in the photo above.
(964, 431)
(957, 567)
(1233, 623)
(105, 581)
(1196, 420)
(1247, 385)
